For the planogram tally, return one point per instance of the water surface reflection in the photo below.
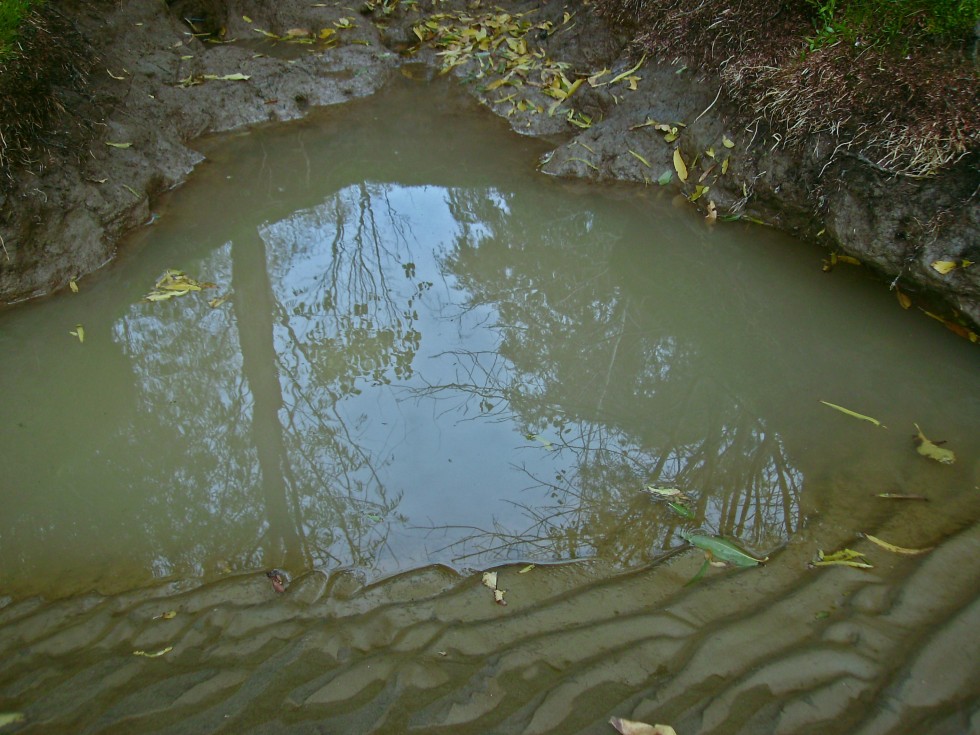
(422, 361)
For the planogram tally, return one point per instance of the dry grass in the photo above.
(908, 114)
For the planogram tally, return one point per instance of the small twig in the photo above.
(4, 246)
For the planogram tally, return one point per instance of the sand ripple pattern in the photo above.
(774, 650)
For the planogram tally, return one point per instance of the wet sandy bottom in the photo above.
(777, 649)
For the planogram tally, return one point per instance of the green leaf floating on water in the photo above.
(722, 549)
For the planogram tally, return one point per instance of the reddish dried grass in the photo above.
(909, 115)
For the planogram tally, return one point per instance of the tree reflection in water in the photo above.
(273, 453)
(327, 309)
(587, 370)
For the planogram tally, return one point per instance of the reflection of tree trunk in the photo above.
(254, 306)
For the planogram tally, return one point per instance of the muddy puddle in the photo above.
(422, 359)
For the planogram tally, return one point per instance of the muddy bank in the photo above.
(150, 92)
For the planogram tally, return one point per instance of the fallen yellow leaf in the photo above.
(943, 266)
(854, 414)
(896, 549)
(679, 165)
(929, 449)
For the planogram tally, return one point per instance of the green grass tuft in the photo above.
(12, 12)
(892, 24)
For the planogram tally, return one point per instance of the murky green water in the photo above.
(432, 353)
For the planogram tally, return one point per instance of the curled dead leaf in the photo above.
(712, 216)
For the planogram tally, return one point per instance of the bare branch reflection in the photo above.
(590, 373)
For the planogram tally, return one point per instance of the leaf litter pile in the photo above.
(525, 79)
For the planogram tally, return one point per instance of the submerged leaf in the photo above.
(161, 652)
(722, 549)
(895, 549)
(929, 449)
(526, 569)
(629, 727)
(901, 496)
(73, 285)
(679, 165)
(700, 573)
(904, 301)
(682, 510)
(665, 178)
(844, 557)
(854, 414)
(9, 718)
(228, 77)
(665, 492)
(79, 332)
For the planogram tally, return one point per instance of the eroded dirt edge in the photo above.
(66, 221)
